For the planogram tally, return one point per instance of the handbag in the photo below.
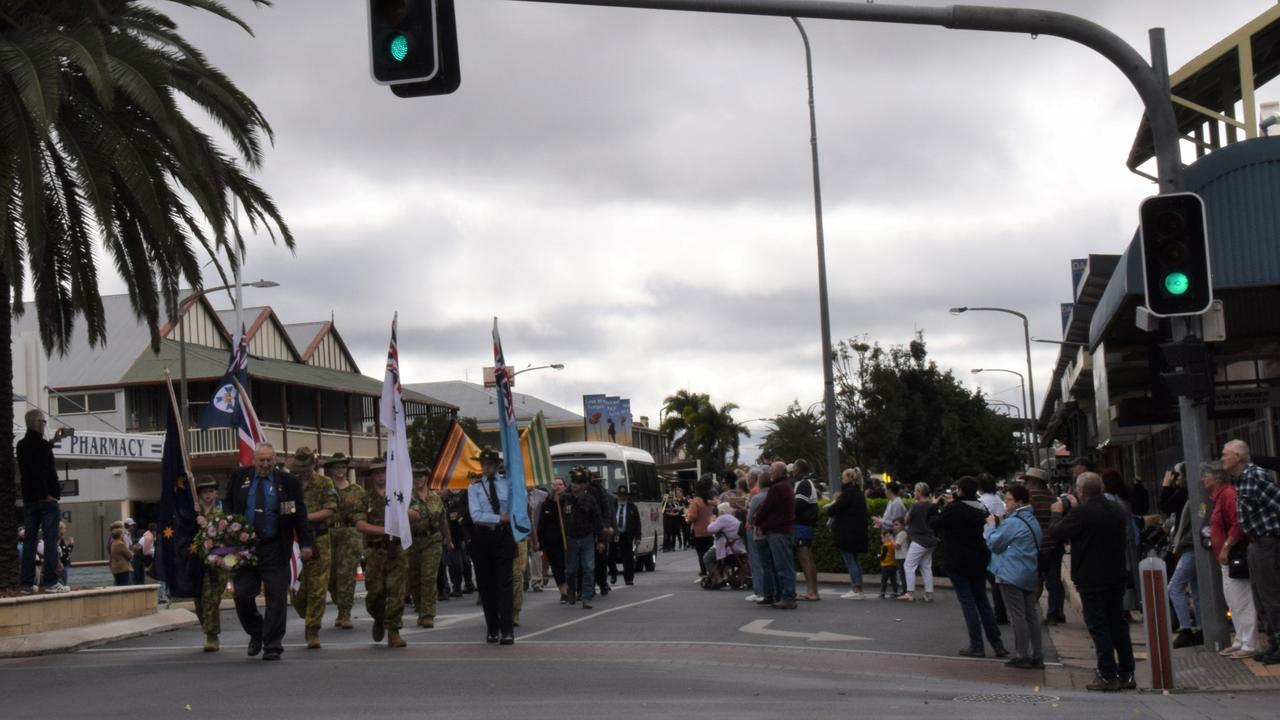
(1237, 563)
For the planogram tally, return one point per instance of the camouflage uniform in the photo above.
(424, 554)
(208, 605)
(386, 565)
(309, 600)
(348, 544)
(519, 567)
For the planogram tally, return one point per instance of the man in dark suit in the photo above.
(1098, 531)
(270, 499)
(627, 518)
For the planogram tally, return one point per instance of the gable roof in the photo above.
(477, 401)
(255, 318)
(308, 336)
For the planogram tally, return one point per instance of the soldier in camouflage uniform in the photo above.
(430, 538)
(386, 563)
(208, 605)
(348, 544)
(322, 503)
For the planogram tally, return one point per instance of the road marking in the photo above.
(441, 622)
(761, 627)
(595, 615)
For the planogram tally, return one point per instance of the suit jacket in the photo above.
(630, 528)
(290, 490)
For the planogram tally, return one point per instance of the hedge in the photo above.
(828, 558)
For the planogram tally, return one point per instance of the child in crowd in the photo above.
(900, 543)
(888, 564)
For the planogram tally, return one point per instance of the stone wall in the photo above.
(28, 614)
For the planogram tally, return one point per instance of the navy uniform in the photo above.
(273, 503)
(493, 548)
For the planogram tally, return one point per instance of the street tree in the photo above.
(99, 157)
(902, 414)
(798, 433)
(702, 430)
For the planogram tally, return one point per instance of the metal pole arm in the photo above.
(1147, 82)
(996, 309)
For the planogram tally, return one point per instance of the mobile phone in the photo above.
(68, 431)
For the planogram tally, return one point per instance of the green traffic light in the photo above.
(399, 47)
(1176, 283)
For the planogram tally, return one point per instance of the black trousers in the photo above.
(602, 571)
(1104, 615)
(555, 558)
(493, 551)
(459, 565)
(997, 600)
(271, 576)
(624, 552)
(700, 546)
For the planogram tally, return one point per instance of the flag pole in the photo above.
(182, 432)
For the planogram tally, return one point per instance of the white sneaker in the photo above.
(1226, 651)
(753, 598)
(57, 588)
(853, 595)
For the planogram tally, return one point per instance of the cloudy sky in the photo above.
(629, 191)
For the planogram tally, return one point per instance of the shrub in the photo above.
(828, 559)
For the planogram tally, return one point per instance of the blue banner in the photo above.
(175, 562)
(512, 457)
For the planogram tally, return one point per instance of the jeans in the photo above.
(580, 565)
(1105, 617)
(1051, 576)
(1183, 582)
(40, 516)
(852, 562)
(757, 569)
(1264, 577)
(971, 591)
(1024, 616)
(784, 565)
(764, 570)
(889, 576)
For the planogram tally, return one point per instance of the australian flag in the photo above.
(228, 409)
(175, 563)
(512, 457)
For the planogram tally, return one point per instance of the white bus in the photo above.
(620, 465)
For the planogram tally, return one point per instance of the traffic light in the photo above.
(1187, 369)
(1175, 255)
(413, 46)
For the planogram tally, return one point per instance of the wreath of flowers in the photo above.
(227, 543)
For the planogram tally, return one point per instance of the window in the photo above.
(84, 403)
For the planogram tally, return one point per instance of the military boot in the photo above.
(345, 619)
(426, 622)
(313, 638)
(210, 642)
(394, 640)
(342, 615)
(377, 630)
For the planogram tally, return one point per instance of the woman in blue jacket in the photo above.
(1015, 552)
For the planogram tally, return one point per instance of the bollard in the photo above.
(1159, 626)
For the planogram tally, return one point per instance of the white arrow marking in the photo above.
(761, 627)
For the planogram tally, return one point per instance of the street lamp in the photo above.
(1067, 343)
(1031, 387)
(553, 366)
(824, 311)
(1027, 417)
(1017, 412)
(182, 333)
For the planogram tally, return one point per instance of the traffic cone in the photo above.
(359, 572)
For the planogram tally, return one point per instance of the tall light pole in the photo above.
(1021, 388)
(1031, 388)
(828, 374)
(553, 366)
(1017, 412)
(182, 333)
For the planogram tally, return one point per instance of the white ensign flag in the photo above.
(399, 467)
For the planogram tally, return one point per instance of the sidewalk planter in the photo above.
(829, 560)
(29, 614)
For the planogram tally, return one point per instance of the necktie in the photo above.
(622, 518)
(258, 506)
(493, 495)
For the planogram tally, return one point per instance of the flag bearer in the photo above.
(430, 538)
(208, 605)
(347, 543)
(322, 503)
(493, 547)
(384, 574)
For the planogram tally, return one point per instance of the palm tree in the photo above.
(798, 434)
(94, 148)
(694, 424)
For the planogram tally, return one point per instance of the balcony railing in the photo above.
(222, 441)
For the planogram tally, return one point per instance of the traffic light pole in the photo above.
(1151, 81)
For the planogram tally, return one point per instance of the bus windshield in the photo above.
(613, 471)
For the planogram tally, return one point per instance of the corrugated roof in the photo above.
(127, 336)
(476, 401)
(303, 334)
(205, 363)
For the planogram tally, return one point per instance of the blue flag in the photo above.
(224, 408)
(511, 455)
(176, 562)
